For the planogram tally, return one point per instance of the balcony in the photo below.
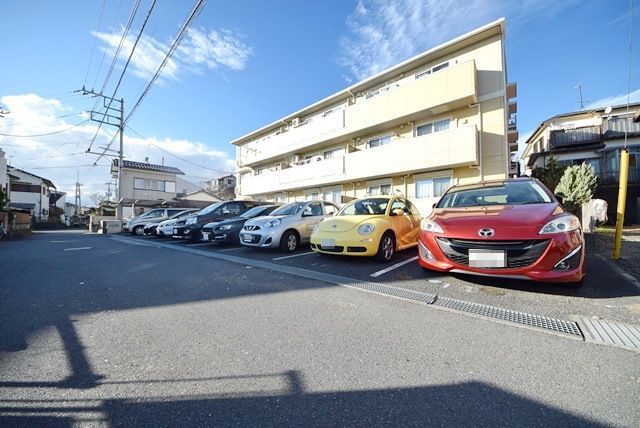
(448, 149)
(437, 93)
(612, 177)
(616, 128)
(571, 138)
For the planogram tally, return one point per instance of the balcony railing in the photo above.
(610, 177)
(453, 87)
(616, 127)
(447, 149)
(574, 137)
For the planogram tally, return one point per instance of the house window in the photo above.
(333, 195)
(379, 189)
(432, 187)
(430, 128)
(158, 185)
(379, 141)
(431, 70)
(375, 92)
(335, 153)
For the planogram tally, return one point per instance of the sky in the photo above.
(244, 64)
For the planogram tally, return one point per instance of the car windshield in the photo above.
(256, 211)
(369, 206)
(186, 214)
(289, 209)
(148, 214)
(210, 208)
(506, 193)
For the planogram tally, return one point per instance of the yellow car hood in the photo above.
(342, 223)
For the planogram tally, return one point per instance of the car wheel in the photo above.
(289, 241)
(387, 248)
(138, 230)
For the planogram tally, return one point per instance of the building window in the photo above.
(432, 187)
(430, 128)
(332, 154)
(333, 195)
(379, 141)
(157, 185)
(432, 70)
(375, 92)
(379, 189)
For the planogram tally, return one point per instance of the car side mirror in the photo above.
(434, 205)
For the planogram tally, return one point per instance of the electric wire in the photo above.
(44, 135)
(93, 46)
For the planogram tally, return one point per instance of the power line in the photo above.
(178, 157)
(104, 53)
(44, 135)
(93, 46)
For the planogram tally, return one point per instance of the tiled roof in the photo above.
(148, 167)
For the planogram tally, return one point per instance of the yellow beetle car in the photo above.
(375, 226)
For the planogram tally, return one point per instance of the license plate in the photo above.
(205, 236)
(247, 238)
(329, 244)
(487, 258)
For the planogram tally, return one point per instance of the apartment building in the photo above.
(435, 120)
(595, 137)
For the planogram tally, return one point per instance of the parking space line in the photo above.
(295, 255)
(199, 243)
(77, 249)
(231, 249)
(390, 268)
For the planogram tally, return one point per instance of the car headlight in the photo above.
(366, 228)
(226, 227)
(190, 220)
(430, 226)
(562, 224)
(274, 223)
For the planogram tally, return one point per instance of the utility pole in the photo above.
(78, 201)
(110, 119)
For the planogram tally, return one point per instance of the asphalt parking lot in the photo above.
(606, 293)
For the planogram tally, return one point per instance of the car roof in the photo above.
(491, 183)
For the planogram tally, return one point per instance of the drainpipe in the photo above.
(480, 168)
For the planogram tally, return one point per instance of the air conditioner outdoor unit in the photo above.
(295, 159)
(295, 122)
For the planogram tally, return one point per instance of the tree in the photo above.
(97, 198)
(550, 174)
(576, 187)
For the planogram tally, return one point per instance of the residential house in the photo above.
(440, 118)
(4, 178)
(146, 184)
(222, 187)
(31, 192)
(595, 137)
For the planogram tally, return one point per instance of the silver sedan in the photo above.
(288, 226)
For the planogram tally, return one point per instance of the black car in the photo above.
(218, 211)
(229, 230)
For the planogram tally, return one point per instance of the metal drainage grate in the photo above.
(560, 326)
(611, 333)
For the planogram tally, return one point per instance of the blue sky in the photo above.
(246, 63)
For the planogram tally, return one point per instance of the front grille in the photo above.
(519, 253)
(251, 228)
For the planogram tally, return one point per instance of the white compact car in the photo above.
(165, 228)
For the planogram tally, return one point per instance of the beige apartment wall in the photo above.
(128, 190)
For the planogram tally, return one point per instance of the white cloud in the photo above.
(615, 100)
(383, 33)
(58, 156)
(198, 51)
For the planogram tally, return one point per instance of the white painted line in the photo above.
(390, 268)
(232, 249)
(199, 243)
(295, 255)
(77, 249)
(60, 242)
(620, 271)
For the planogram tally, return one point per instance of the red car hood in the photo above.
(508, 221)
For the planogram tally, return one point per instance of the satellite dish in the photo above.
(607, 110)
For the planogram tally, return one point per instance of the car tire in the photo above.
(289, 241)
(386, 248)
(138, 230)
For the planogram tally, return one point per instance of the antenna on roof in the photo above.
(578, 87)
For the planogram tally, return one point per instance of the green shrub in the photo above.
(576, 187)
